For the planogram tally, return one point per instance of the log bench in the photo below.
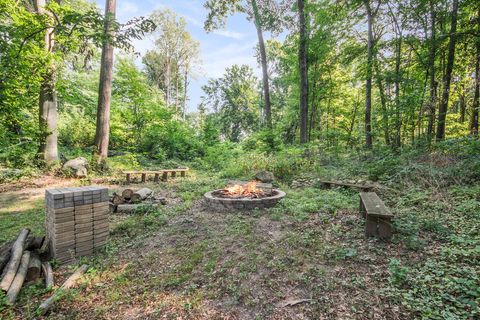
(378, 217)
(157, 174)
(326, 184)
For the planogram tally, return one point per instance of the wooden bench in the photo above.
(157, 173)
(328, 184)
(378, 216)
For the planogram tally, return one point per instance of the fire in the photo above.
(248, 190)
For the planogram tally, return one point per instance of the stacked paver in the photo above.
(77, 221)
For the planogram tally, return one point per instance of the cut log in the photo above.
(34, 243)
(117, 199)
(141, 194)
(34, 268)
(17, 282)
(67, 285)
(48, 274)
(126, 208)
(127, 194)
(5, 254)
(16, 257)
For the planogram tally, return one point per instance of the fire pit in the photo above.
(244, 196)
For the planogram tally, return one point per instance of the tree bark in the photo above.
(383, 101)
(431, 62)
(105, 88)
(17, 283)
(368, 81)
(16, 256)
(476, 96)
(442, 111)
(34, 268)
(302, 61)
(141, 194)
(263, 60)
(48, 114)
(48, 274)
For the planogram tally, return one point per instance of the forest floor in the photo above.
(307, 258)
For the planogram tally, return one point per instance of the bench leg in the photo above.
(371, 226)
(174, 174)
(128, 178)
(144, 177)
(156, 177)
(182, 174)
(165, 176)
(385, 229)
(363, 211)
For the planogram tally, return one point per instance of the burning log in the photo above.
(242, 190)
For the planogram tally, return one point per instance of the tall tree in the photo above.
(371, 12)
(48, 114)
(105, 87)
(442, 110)
(476, 97)
(263, 60)
(302, 64)
(266, 15)
(431, 64)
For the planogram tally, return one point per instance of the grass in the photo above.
(185, 261)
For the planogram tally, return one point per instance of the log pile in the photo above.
(129, 200)
(20, 263)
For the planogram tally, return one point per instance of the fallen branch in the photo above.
(34, 268)
(67, 285)
(12, 267)
(17, 282)
(5, 254)
(48, 274)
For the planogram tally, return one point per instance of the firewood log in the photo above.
(16, 257)
(67, 285)
(141, 194)
(117, 199)
(34, 243)
(127, 194)
(17, 282)
(48, 274)
(5, 254)
(126, 208)
(34, 268)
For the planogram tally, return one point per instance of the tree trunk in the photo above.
(48, 115)
(398, 122)
(442, 111)
(185, 84)
(368, 82)
(105, 88)
(263, 60)
(476, 97)
(431, 63)
(302, 61)
(383, 102)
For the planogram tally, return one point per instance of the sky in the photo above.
(219, 49)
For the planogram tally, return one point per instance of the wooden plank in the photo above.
(327, 184)
(374, 206)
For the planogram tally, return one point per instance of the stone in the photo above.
(265, 176)
(78, 166)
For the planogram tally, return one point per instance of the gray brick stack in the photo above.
(77, 221)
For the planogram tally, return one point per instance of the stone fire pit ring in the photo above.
(220, 203)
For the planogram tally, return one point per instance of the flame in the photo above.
(247, 190)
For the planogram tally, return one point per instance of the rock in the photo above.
(265, 176)
(78, 166)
